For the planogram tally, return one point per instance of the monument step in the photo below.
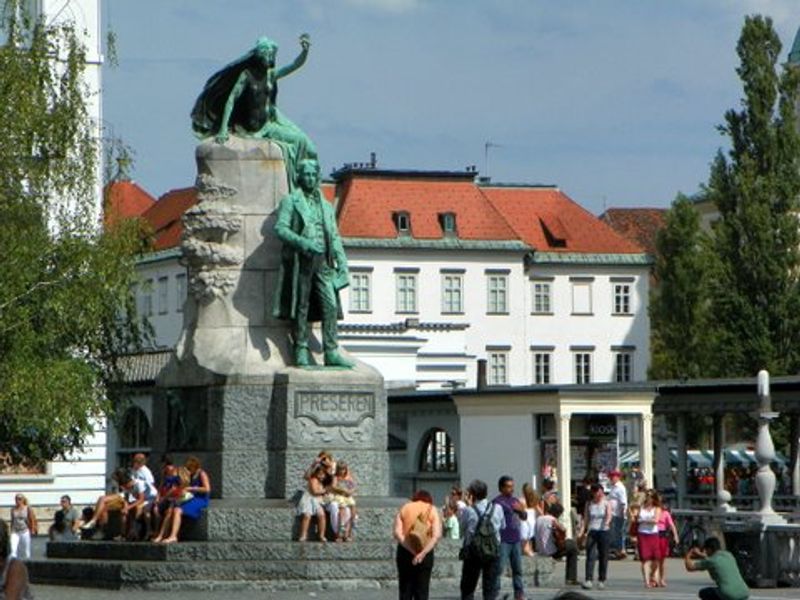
(235, 551)
(253, 520)
(116, 574)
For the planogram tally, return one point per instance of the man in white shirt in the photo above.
(618, 497)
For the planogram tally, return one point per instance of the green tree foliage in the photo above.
(66, 302)
(728, 304)
(754, 288)
(679, 303)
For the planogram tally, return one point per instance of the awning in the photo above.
(695, 458)
(705, 458)
(629, 458)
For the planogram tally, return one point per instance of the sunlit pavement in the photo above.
(624, 583)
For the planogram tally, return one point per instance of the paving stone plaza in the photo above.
(624, 584)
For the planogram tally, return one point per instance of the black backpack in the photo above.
(483, 545)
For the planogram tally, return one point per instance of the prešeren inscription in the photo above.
(335, 408)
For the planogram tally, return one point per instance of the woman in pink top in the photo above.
(666, 528)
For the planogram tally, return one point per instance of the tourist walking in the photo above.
(721, 565)
(547, 532)
(596, 524)
(23, 524)
(477, 510)
(510, 538)
(666, 530)
(648, 541)
(533, 506)
(417, 530)
(618, 498)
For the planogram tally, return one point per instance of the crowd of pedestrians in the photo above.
(496, 533)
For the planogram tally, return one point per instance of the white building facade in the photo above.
(444, 275)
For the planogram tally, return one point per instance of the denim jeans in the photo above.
(597, 547)
(617, 541)
(512, 553)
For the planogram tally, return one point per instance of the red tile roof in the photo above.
(165, 217)
(542, 217)
(548, 220)
(125, 200)
(367, 206)
(640, 225)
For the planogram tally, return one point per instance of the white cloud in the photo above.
(392, 6)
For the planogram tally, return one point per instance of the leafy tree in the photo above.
(754, 287)
(66, 302)
(679, 303)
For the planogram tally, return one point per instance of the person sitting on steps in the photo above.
(192, 508)
(311, 503)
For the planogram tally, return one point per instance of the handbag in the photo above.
(420, 533)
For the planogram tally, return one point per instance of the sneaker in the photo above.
(601, 585)
(587, 585)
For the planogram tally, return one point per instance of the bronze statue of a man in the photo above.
(313, 266)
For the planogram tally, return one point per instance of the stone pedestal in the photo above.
(341, 411)
(228, 396)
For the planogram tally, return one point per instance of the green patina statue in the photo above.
(313, 266)
(242, 98)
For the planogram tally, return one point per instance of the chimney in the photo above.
(482, 385)
(373, 160)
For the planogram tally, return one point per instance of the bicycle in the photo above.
(690, 533)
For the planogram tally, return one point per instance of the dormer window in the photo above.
(402, 221)
(554, 231)
(448, 223)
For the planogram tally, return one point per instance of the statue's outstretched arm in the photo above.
(236, 91)
(305, 43)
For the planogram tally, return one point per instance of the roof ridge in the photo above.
(602, 223)
(500, 214)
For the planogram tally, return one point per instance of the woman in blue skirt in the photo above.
(200, 489)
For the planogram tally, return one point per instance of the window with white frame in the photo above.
(360, 291)
(452, 293)
(623, 367)
(622, 298)
(542, 365)
(163, 295)
(583, 367)
(497, 367)
(497, 293)
(542, 297)
(581, 296)
(180, 291)
(402, 221)
(146, 298)
(406, 284)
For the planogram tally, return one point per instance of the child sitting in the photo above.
(343, 503)
(311, 503)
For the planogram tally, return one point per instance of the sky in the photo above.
(616, 102)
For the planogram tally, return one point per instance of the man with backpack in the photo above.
(481, 522)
